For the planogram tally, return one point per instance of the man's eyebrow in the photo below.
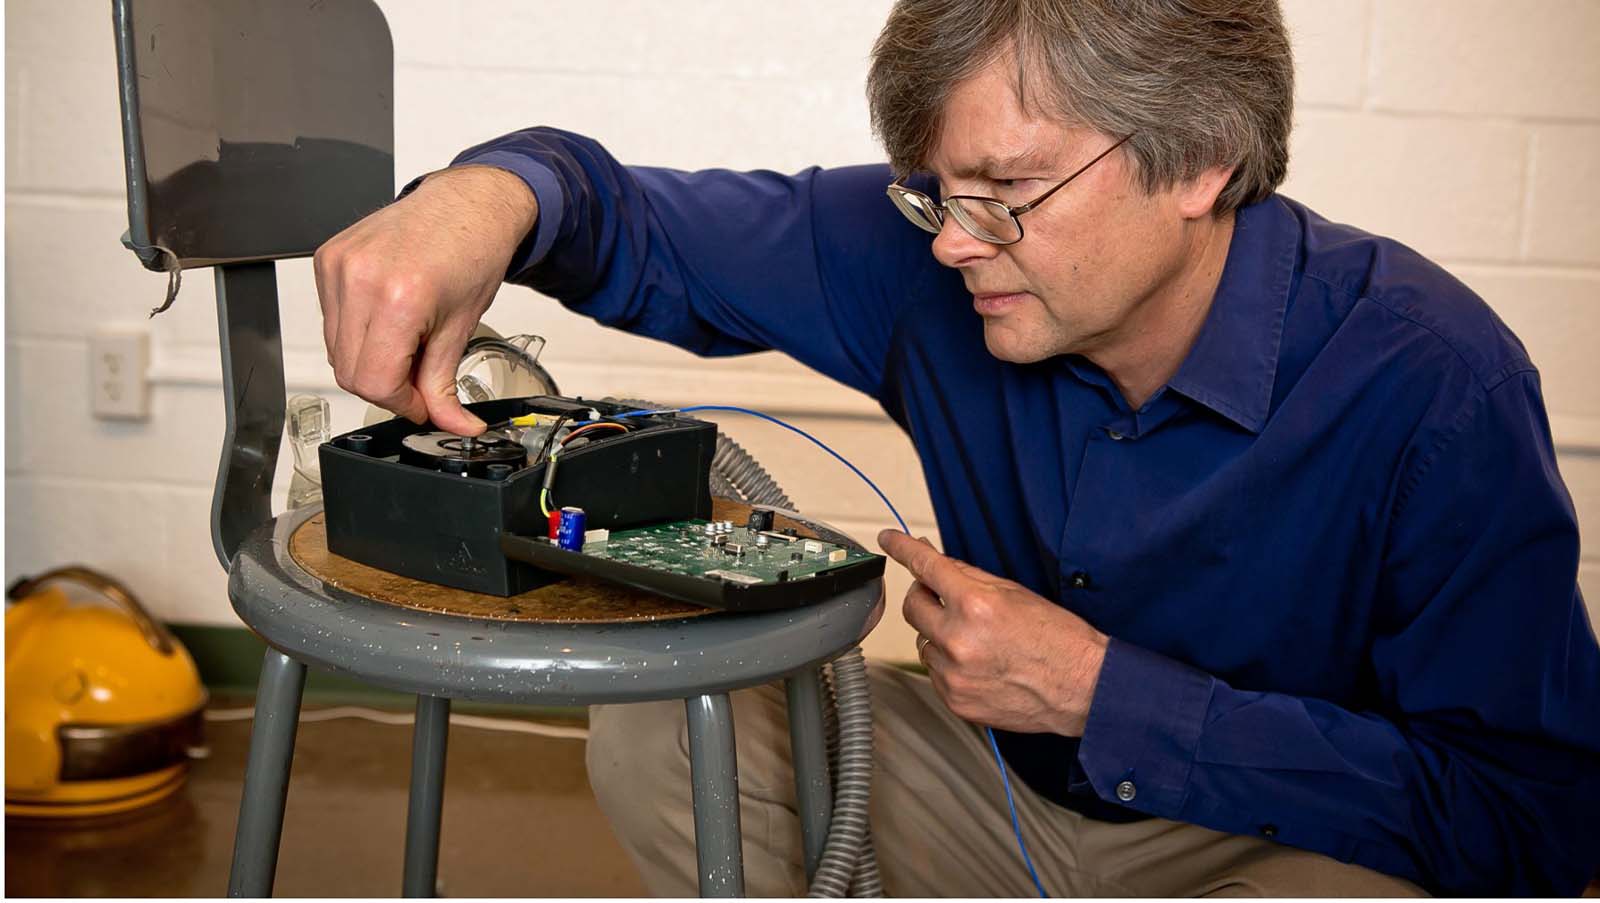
(1024, 159)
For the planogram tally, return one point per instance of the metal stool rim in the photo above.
(527, 662)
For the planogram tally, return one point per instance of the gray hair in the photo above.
(1198, 83)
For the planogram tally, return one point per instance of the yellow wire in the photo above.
(531, 419)
(544, 493)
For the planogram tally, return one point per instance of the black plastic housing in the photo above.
(446, 528)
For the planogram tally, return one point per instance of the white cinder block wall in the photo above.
(1467, 128)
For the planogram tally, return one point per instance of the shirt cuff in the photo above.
(546, 188)
(1143, 727)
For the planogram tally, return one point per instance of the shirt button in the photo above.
(1126, 791)
(1080, 579)
(1269, 830)
(1115, 436)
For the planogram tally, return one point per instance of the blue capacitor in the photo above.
(569, 534)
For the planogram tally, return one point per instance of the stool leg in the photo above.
(266, 776)
(813, 789)
(714, 772)
(427, 796)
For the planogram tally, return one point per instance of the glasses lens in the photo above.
(917, 208)
(988, 220)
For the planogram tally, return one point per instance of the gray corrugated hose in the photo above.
(849, 864)
(735, 474)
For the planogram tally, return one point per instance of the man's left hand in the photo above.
(998, 653)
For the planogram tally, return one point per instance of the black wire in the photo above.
(556, 428)
(545, 451)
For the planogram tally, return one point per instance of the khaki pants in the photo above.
(939, 815)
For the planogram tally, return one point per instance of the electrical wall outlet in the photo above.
(119, 374)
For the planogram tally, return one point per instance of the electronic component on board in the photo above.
(569, 534)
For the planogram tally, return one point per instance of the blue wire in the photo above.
(815, 441)
(999, 760)
(1016, 826)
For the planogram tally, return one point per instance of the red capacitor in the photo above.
(555, 524)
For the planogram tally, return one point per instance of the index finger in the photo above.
(934, 570)
(383, 371)
(436, 381)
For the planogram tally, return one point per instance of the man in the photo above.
(1259, 563)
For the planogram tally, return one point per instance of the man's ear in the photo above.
(1197, 196)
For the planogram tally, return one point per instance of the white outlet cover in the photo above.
(119, 374)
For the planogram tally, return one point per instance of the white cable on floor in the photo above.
(511, 725)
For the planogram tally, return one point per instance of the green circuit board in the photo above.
(740, 556)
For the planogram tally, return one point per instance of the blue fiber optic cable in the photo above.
(1016, 826)
(788, 426)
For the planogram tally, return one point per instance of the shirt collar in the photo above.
(1234, 360)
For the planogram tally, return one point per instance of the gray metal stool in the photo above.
(443, 657)
(292, 140)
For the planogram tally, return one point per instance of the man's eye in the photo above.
(1013, 184)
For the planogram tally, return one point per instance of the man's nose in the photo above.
(954, 246)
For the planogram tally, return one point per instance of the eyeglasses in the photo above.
(987, 219)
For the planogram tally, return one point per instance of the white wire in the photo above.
(510, 725)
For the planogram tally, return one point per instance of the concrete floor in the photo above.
(519, 821)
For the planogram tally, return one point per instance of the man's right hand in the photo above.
(403, 289)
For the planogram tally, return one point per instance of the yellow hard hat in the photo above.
(103, 705)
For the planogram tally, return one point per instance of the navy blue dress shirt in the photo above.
(1334, 554)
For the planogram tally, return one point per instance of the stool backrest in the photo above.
(252, 131)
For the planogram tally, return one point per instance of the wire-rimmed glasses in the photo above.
(986, 219)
